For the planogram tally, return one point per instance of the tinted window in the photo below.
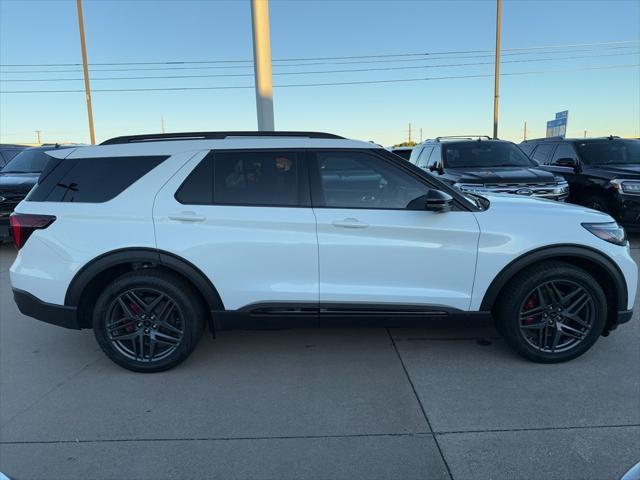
(542, 152)
(527, 147)
(198, 186)
(405, 153)
(564, 150)
(91, 180)
(424, 157)
(360, 180)
(609, 151)
(27, 161)
(256, 178)
(434, 159)
(483, 154)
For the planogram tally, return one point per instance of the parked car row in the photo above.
(599, 173)
(150, 239)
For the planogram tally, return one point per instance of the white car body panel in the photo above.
(401, 256)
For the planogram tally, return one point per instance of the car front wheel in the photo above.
(148, 320)
(552, 312)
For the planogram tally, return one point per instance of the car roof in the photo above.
(173, 145)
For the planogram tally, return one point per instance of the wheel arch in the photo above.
(92, 277)
(601, 267)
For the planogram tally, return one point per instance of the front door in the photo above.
(373, 251)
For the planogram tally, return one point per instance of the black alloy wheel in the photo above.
(556, 316)
(551, 312)
(148, 320)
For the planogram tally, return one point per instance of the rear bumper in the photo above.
(60, 315)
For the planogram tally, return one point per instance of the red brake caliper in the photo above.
(532, 302)
(130, 327)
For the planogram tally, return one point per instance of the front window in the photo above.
(27, 161)
(602, 152)
(484, 154)
(359, 180)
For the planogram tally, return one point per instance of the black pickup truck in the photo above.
(603, 173)
(483, 165)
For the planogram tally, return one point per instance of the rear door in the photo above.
(377, 253)
(244, 219)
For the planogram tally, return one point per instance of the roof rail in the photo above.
(543, 138)
(468, 137)
(161, 137)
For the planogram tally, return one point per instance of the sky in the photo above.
(598, 84)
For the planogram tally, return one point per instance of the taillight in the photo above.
(24, 224)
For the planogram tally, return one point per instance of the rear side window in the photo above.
(197, 189)
(91, 180)
(256, 178)
(424, 156)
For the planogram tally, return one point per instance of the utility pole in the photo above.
(420, 134)
(262, 64)
(409, 132)
(585, 134)
(161, 124)
(87, 87)
(525, 129)
(496, 91)
(38, 137)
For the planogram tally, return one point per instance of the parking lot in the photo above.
(444, 401)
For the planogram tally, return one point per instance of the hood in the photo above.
(17, 183)
(613, 171)
(551, 209)
(500, 175)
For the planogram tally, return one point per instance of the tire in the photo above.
(530, 327)
(148, 320)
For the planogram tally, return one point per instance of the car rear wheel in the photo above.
(552, 312)
(148, 320)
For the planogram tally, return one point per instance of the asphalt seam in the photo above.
(424, 412)
(313, 437)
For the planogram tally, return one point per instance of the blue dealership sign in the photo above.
(558, 126)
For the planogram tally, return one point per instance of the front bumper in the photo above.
(627, 211)
(60, 315)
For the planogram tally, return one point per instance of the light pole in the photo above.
(87, 87)
(496, 90)
(262, 64)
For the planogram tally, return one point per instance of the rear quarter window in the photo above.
(91, 180)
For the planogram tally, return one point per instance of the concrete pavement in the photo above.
(449, 401)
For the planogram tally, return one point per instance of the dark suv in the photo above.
(17, 177)
(482, 165)
(603, 173)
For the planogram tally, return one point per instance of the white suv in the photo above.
(148, 239)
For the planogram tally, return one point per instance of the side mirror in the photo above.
(436, 168)
(432, 201)
(567, 162)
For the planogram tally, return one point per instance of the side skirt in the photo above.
(269, 316)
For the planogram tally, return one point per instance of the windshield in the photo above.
(27, 161)
(609, 151)
(484, 154)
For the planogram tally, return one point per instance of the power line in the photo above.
(349, 57)
(363, 82)
(208, 67)
(357, 70)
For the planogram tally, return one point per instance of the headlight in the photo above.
(626, 186)
(470, 187)
(561, 186)
(609, 232)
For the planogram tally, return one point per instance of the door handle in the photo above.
(349, 223)
(187, 217)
